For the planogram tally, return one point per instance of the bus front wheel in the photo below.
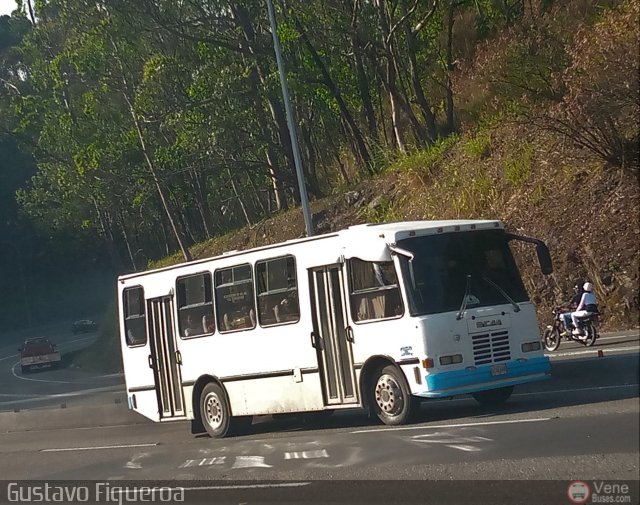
(215, 413)
(390, 396)
(493, 397)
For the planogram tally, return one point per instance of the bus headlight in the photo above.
(531, 346)
(451, 360)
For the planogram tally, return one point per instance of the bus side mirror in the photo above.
(544, 258)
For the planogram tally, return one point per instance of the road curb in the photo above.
(71, 417)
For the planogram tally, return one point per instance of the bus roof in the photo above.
(358, 237)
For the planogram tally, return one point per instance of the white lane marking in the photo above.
(82, 392)
(461, 425)
(218, 460)
(611, 337)
(306, 454)
(21, 377)
(592, 350)
(577, 390)
(467, 448)
(97, 448)
(7, 395)
(246, 486)
(453, 439)
(250, 462)
(133, 462)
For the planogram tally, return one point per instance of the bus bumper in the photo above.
(459, 382)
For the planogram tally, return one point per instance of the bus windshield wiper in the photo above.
(465, 298)
(516, 307)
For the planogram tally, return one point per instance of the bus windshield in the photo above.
(465, 269)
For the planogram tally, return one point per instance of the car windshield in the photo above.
(474, 269)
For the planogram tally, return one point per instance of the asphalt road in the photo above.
(581, 424)
(62, 386)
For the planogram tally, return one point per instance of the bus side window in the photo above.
(277, 290)
(235, 304)
(195, 305)
(134, 316)
(374, 290)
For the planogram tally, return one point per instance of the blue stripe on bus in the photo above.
(457, 382)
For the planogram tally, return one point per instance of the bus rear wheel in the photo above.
(493, 397)
(215, 413)
(390, 396)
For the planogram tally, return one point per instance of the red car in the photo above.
(38, 352)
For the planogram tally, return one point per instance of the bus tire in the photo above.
(215, 413)
(390, 396)
(493, 397)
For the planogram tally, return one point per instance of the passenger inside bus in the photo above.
(244, 318)
(208, 324)
(285, 311)
(192, 327)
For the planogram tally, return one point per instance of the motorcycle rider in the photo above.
(588, 305)
(565, 317)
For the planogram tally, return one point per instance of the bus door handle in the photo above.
(314, 340)
(179, 357)
(349, 334)
(150, 361)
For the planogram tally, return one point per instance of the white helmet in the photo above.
(588, 286)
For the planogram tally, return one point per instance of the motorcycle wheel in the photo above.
(592, 335)
(551, 339)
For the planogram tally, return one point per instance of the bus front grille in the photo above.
(491, 347)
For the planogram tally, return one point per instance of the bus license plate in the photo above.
(499, 369)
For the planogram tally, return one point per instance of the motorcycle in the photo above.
(587, 325)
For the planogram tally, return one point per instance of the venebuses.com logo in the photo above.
(579, 492)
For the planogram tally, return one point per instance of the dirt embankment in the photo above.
(585, 211)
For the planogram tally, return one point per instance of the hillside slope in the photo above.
(599, 244)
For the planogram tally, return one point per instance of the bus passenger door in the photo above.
(330, 337)
(165, 358)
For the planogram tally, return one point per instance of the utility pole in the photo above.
(304, 200)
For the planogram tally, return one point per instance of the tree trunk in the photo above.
(239, 198)
(451, 127)
(421, 99)
(277, 113)
(361, 152)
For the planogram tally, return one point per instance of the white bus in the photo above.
(376, 316)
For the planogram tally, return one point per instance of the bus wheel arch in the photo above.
(208, 393)
(385, 391)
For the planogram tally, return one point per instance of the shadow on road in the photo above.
(572, 383)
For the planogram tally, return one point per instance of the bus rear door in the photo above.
(331, 337)
(165, 358)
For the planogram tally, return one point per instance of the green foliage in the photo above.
(479, 145)
(424, 161)
(381, 210)
(518, 167)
